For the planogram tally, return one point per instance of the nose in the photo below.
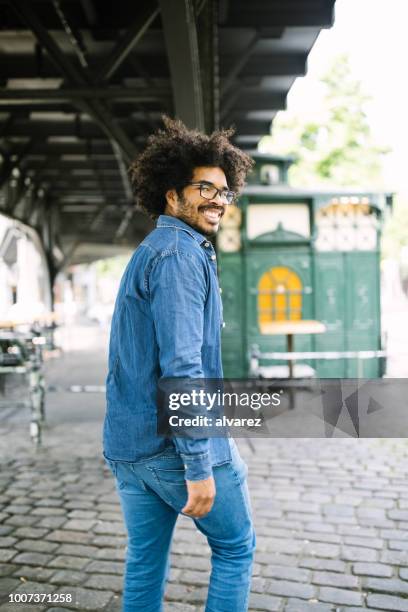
(218, 199)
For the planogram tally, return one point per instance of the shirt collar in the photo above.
(168, 220)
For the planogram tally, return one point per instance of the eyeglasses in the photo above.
(209, 191)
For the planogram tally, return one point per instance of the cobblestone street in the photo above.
(331, 514)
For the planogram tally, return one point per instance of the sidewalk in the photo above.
(331, 514)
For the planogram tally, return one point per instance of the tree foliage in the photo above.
(332, 141)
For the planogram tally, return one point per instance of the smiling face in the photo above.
(200, 213)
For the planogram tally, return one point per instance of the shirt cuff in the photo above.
(198, 467)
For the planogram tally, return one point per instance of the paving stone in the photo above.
(77, 550)
(112, 554)
(176, 591)
(357, 531)
(384, 585)
(319, 527)
(108, 507)
(7, 586)
(80, 505)
(109, 528)
(105, 581)
(34, 587)
(398, 544)
(22, 521)
(6, 607)
(40, 546)
(359, 609)
(7, 542)
(388, 602)
(14, 509)
(6, 569)
(286, 573)
(37, 574)
(172, 606)
(6, 555)
(49, 502)
(68, 562)
(340, 596)
(310, 536)
(355, 553)
(335, 579)
(106, 540)
(398, 515)
(375, 543)
(331, 551)
(30, 532)
(50, 493)
(338, 510)
(48, 511)
(394, 534)
(373, 569)
(104, 567)
(52, 522)
(258, 585)
(72, 537)
(275, 559)
(297, 605)
(87, 599)
(323, 564)
(82, 514)
(195, 563)
(32, 558)
(80, 524)
(394, 557)
(67, 577)
(265, 602)
(110, 516)
(6, 529)
(290, 589)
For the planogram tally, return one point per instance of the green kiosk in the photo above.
(300, 279)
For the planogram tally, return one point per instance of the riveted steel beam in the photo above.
(127, 43)
(180, 34)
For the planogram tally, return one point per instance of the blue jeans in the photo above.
(152, 493)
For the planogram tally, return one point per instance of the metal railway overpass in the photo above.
(84, 82)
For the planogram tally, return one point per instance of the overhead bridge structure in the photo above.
(84, 82)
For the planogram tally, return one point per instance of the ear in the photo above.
(171, 200)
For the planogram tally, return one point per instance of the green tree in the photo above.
(333, 142)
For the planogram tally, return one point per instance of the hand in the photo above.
(201, 495)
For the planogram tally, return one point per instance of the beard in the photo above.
(192, 214)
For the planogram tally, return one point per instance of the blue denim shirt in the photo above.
(166, 323)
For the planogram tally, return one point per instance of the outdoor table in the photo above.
(48, 318)
(289, 328)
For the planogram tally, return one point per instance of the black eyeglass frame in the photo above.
(227, 192)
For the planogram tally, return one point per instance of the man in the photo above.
(166, 325)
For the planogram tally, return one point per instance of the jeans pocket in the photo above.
(171, 486)
(173, 477)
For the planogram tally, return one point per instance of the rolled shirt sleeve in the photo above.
(178, 291)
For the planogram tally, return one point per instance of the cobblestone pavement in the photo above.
(331, 516)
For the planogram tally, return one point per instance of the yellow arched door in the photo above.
(279, 295)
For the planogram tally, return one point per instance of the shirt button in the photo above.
(206, 244)
(213, 257)
(220, 290)
(223, 324)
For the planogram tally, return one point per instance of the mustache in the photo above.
(212, 207)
